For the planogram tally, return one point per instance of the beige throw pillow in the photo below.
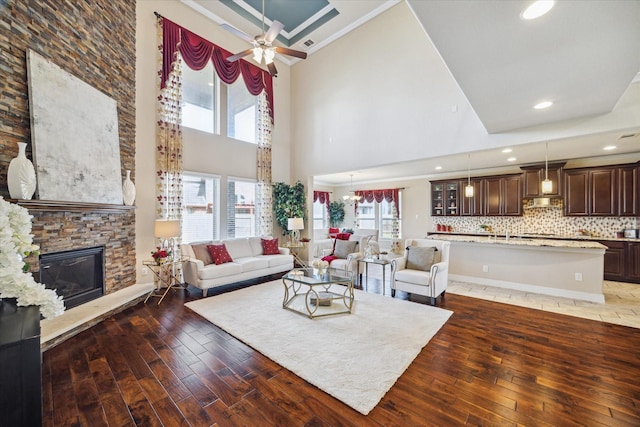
(202, 253)
(344, 248)
(420, 258)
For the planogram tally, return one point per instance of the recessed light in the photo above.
(543, 105)
(507, 150)
(511, 159)
(438, 168)
(537, 9)
(609, 147)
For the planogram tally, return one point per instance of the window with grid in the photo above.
(199, 95)
(200, 207)
(379, 216)
(242, 220)
(319, 215)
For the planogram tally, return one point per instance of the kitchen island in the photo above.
(564, 268)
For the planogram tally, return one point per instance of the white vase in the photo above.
(128, 190)
(21, 175)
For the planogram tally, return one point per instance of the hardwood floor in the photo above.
(491, 364)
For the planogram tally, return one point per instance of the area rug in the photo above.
(354, 357)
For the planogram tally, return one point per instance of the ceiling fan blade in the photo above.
(291, 52)
(239, 55)
(273, 31)
(237, 32)
(272, 69)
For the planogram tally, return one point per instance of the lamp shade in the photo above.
(167, 228)
(295, 224)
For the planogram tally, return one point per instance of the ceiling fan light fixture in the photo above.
(269, 54)
(257, 54)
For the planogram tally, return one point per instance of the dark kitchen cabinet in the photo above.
(615, 260)
(470, 206)
(628, 188)
(445, 197)
(502, 195)
(622, 261)
(590, 192)
(532, 177)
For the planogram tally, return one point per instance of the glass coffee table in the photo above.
(316, 295)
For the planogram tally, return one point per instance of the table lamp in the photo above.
(295, 225)
(165, 230)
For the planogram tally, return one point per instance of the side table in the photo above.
(293, 249)
(165, 278)
(382, 262)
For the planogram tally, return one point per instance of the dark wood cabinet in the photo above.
(622, 261)
(532, 177)
(633, 258)
(615, 260)
(470, 206)
(502, 195)
(590, 192)
(628, 188)
(445, 197)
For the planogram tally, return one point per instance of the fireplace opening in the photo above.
(76, 275)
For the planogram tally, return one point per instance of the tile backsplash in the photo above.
(548, 220)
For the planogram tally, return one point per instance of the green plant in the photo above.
(336, 213)
(288, 202)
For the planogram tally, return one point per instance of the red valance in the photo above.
(390, 195)
(322, 196)
(197, 51)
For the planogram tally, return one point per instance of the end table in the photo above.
(165, 278)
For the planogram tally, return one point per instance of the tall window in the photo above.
(319, 215)
(242, 220)
(201, 207)
(378, 215)
(199, 96)
(241, 112)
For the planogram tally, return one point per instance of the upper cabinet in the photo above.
(591, 191)
(444, 198)
(533, 176)
(502, 195)
(474, 205)
(628, 189)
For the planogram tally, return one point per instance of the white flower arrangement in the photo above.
(16, 241)
(320, 264)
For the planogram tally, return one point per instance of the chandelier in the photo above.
(351, 198)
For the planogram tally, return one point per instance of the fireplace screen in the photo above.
(76, 275)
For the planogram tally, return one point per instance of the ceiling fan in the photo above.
(263, 48)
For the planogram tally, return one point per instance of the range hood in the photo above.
(541, 202)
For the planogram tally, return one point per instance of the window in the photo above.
(319, 215)
(198, 98)
(242, 220)
(201, 207)
(241, 112)
(378, 215)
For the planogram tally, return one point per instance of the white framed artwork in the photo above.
(74, 132)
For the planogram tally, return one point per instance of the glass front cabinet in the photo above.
(444, 198)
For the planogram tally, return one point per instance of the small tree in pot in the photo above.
(336, 213)
(288, 202)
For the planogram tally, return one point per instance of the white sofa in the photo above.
(431, 283)
(249, 262)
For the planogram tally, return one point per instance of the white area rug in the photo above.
(354, 357)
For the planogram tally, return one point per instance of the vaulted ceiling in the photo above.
(582, 56)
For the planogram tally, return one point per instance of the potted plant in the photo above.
(336, 213)
(288, 202)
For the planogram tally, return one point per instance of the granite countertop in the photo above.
(537, 236)
(519, 241)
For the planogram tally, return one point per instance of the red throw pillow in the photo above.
(343, 236)
(219, 254)
(329, 258)
(270, 247)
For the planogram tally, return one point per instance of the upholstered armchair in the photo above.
(422, 270)
(344, 255)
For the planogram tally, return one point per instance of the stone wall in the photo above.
(94, 41)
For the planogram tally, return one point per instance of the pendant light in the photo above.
(547, 185)
(351, 198)
(468, 190)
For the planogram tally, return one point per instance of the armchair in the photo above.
(432, 282)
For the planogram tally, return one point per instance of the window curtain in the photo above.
(322, 197)
(392, 196)
(180, 43)
(169, 134)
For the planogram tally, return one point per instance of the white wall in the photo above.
(202, 153)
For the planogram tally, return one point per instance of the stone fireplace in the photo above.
(76, 275)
